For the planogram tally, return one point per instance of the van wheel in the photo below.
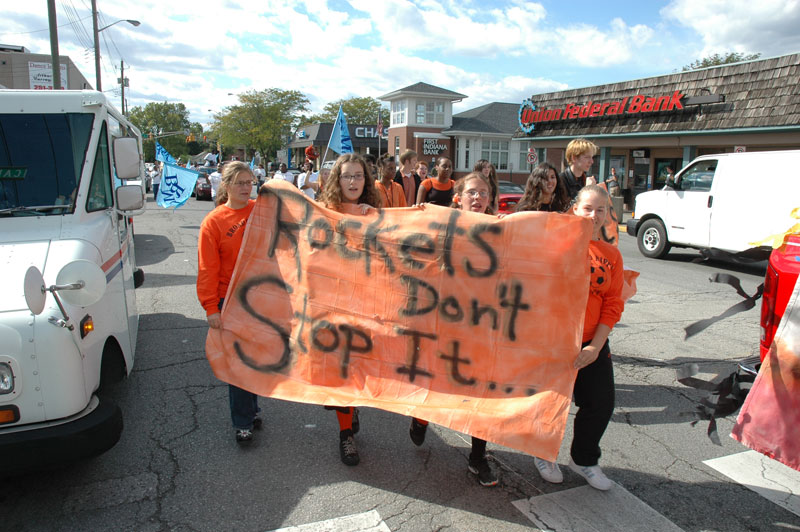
(652, 239)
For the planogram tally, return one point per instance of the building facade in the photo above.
(20, 69)
(365, 139)
(645, 126)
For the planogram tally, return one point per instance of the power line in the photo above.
(78, 28)
(46, 29)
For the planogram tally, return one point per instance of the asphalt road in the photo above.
(177, 466)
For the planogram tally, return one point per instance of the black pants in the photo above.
(594, 397)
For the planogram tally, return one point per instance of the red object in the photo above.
(508, 196)
(311, 153)
(782, 273)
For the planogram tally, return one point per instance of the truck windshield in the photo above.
(41, 159)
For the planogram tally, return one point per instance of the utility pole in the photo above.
(51, 15)
(96, 47)
(122, 84)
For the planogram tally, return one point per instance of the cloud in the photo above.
(588, 46)
(769, 27)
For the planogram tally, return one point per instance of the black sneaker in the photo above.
(356, 424)
(244, 435)
(417, 432)
(258, 423)
(484, 472)
(347, 448)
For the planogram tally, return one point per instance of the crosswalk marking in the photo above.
(590, 510)
(767, 477)
(365, 522)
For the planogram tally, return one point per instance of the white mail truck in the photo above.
(68, 319)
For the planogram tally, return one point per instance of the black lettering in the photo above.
(513, 306)
(371, 242)
(351, 347)
(474, 236)
(244, 289)
(288, 228)
(324, 325)
(412, 286)
(478, 311)
(456, 314)
(416, 243)
(340, 240)
(304, 318)
(450, 232)
(320, 225)
(454, 362)
(413, 353)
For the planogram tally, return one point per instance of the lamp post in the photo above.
(97, 41)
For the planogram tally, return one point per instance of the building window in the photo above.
(430, 113)
(398, 112)
(523, 157)
(466, 154)
(397, 145)
(496, 152)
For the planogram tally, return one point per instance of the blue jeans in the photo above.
(244, 404)
(244, 407)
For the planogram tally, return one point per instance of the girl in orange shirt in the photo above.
(350, 183)
(391, 193)
(217, 249)
(594, 384)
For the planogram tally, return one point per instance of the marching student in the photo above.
(594, 384)
(544, 191)
(438, 191)
(391, 193)
(580, 158)
(217, 249)
(350, 182)
(472, 193)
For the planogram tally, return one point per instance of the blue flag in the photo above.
(340, 136)
(163, 155)
(177, 185)
(253, 163)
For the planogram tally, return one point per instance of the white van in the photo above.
(68, 318)
(724, 201)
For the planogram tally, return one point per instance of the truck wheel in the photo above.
(652, 237)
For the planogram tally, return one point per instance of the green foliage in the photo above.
(716, 59)
(262, 120)
(357, 110)
(169, 120)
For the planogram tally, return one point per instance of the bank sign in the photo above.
(530, 115)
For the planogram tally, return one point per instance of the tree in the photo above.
(262, 120)
(716, 59)
(357, 110)
(167, 121)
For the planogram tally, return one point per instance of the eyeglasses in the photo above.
(243, 183)
(352, 177)
(476, 193)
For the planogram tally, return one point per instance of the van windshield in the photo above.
(41, 159)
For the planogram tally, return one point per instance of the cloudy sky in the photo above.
(203, 52)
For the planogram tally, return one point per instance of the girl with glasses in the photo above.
(350, 183)
(218, 248)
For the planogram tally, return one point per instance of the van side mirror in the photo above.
(130, 198)
(127, 158)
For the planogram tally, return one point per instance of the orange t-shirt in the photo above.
(217, 250)
(397, 198)
(605, 304)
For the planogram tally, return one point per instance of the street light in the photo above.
(97, 41)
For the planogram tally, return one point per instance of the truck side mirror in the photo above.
(130, 198)
(126, 158)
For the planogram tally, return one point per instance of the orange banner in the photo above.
(769, 421)
(457, 318)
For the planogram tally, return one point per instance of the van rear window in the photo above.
(41, 160)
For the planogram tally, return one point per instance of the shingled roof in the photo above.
(758, 94)
(426, 89)
(495, 117)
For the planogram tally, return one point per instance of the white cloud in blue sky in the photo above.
(199, 51)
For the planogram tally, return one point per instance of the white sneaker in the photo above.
(549, 470)
(593, 475)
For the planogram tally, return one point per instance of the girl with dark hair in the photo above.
(438, 191)
(487, 169)
(350, 183)
(544, 191)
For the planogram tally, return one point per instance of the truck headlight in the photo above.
(6, 378)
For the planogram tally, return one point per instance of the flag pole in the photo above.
(380, 127)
